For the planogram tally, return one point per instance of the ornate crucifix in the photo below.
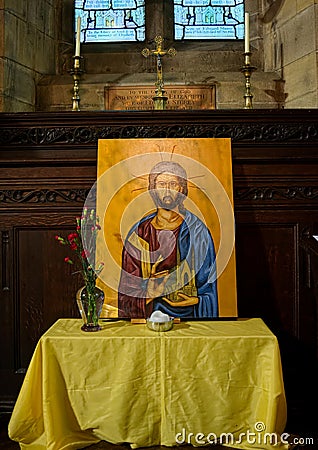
(160, 99)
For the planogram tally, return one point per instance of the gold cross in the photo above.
(159, 53)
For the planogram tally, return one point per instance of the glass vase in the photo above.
(90, 302)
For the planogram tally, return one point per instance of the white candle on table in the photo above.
(247, 33)
(78, 37)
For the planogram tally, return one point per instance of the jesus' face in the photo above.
(168, 191)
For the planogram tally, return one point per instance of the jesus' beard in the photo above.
(168, 202)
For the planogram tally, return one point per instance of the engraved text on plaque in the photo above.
(131, 98)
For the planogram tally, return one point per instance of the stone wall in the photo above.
(216, 63)
(290, 48)
(37, 44)
(55, 93)
(27, 50)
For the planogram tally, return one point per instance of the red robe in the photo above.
(133, 284)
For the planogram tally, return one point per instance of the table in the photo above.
(128, 384)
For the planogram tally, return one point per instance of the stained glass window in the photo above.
(208, 19)
(111, 20)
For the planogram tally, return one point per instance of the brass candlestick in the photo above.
(76, 72)
(160, 99)
(247, 71)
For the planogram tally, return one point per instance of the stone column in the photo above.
(27, 51)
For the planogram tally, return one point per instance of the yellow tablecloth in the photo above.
(129, 384)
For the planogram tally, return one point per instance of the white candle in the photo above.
(247, 33)
(78, 36)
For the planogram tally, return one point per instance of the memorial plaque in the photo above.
(130, 98)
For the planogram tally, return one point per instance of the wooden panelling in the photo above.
(39, 302)
(48, 166)
(267, 251)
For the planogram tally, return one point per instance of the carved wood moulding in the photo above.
(273, 193)
(42, 196)
(79, 195)
(89, 135)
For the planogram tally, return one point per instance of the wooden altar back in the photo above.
(48, 165)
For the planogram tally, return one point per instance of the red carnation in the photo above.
(86, 226)
(72, 236)
(68, 260)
